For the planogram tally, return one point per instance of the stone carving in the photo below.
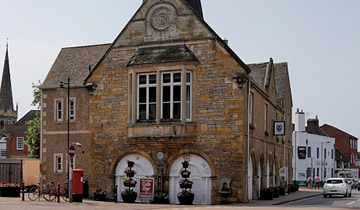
(161, 19)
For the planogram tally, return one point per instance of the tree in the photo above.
(33, 137)
(33, 131)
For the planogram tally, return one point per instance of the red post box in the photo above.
(77, 182)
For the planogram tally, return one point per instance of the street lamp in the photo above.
(322, 158)
(62, 85)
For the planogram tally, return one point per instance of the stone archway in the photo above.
(200, 175)
(142, 167)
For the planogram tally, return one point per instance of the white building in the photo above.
(313, 150)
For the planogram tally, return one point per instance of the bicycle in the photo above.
(49, 192)
(36, 192)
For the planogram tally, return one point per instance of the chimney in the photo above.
(313, 123)
(299, 121)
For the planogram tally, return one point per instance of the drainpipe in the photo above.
(248, 135)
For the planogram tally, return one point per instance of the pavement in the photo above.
(88, 204)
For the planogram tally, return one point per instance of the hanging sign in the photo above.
(146, 189)
(279, 128)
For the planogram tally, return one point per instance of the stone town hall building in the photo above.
(168, 89)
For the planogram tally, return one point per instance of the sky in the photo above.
(319, 39)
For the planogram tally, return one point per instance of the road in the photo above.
(314, 203)
(352, 202)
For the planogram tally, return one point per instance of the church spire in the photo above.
(6, 98)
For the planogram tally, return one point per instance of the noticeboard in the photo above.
(146, 189)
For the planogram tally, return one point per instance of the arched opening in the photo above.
(200, 175)
(142, 167)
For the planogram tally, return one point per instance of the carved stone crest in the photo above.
(161, 19)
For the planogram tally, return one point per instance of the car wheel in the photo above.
(349, 195)
(345, 195)
(325, 196)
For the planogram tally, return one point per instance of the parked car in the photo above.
(337, 186)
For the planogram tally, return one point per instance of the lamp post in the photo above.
(69, 175)
(322, 158)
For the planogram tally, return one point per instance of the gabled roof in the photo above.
(353, 137)
(74, 62)
(6, 97)
(195, 7)
(258, 74)
(29, 116)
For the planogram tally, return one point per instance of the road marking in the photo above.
(350, 203)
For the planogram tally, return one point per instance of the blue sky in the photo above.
(320, 40)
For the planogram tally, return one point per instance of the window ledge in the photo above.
(162, 130)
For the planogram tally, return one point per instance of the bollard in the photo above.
(115, 194)
(58, 193)
(23, 191)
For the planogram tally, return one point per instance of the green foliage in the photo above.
(36, 94)
(33, 137)
(33, 131)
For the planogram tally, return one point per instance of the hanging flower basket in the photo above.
(128, 196)
(185, 184)
(185, 174)
(186, 198)
(130, 183)
(129, 173)
(185, 164)
(130, 163)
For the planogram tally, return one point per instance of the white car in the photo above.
(337, 186)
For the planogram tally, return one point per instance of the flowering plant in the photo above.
(9, 185)
(128, 192)
(185, 193)
(100, 191)
(185, 182)
(161, 195)
(129, 171)
(130, 181)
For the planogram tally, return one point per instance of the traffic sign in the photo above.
(71, 151)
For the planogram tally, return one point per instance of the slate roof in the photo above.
(281, 77)
(261, 72)
(163, 54)
(196, 6)
(29, 116)
(74, 62)
(6, 98)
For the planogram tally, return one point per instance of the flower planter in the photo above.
(266, 194)
(275, 192)
(129, 198)
(282, 191)
(126, 184)
(186, 186)
(186, 200)
(99, 197)
(130, 174)
(10, 191)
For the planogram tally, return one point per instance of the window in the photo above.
(317, 171)
(251, 106)
(2, 125)
(20, 143)
(324, 153)
(266, 116)
(317, 153)
(72, 110)
(350, 143)
(175, 100)
(171, 96)
(58, 113)
(2, 153)
(332, 154)
(58, 166)
(309, 152)
(147, 97)
(324, 172)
